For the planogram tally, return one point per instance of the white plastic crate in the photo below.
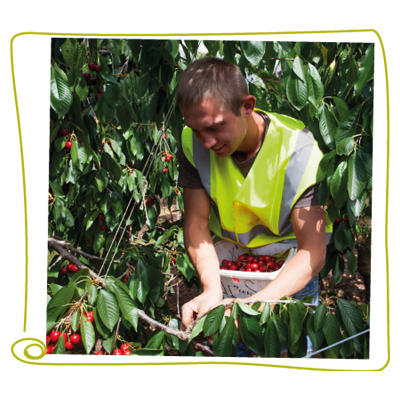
(240, 283)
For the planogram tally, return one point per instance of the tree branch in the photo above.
(184, 336)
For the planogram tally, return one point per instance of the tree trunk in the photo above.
(364, 262)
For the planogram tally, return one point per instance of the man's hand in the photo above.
(199, 305)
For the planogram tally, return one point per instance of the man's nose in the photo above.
(207, 140)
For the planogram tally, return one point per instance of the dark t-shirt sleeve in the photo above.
(308, 198)
(188, 175)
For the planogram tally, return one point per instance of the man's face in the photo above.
(220, 131)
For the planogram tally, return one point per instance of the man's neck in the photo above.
(254, 138)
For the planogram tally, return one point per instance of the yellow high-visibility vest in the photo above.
(255, 211)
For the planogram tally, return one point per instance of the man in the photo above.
(249, 176)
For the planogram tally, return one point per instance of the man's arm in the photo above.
(200, 248)
(309, 228)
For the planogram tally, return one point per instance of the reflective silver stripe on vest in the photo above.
(293, 176)
(201, 157)
(246, 238)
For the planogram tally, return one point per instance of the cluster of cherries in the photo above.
(70, 340)
(150, 201)
(71, 268)
(249, 263)
(124, 350)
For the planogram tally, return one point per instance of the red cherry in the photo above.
(71, 268)
(224, 262)
(261, 263)
(127, 353)
(50, 348)
(165, 170)
(86, 75)
(242, 257)
(266, 258)
(263, 268)
(250, 259)
(224, 268)
(164, 136)
(89, 315)
(69, 345)
(103, 227)
(97, 68)
(97, 96)
(254, 266)
(55, 335)
(270, 264)
(338, 220)
(68, 145)
(238, 264)
(101, 217)
(91, 66)
(229, 264)
(65, 336)
(280, 263)
(249, 270)
(125, 346)
(48, 338)
(75, 339)
(100, 353)
(233, 267)
(64, 132)
(118, 352)
(63, 271)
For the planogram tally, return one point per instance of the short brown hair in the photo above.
(215, 78)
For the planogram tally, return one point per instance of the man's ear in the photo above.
(249, 102)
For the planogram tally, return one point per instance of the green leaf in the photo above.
(92, 295)
(265, 315)
(357, 176)
(226, 339)
(92, 218)
(103, 330)
(315, 86)
(59, 302)
(246, 309)
(295, 325)
(60, 94)
(351, 261)
(198, 328)
(320, 316)
(367, 162)
(81, 88)
(108, 309)
(69, 51)
(109, 343)
(147, 352)
(353, 322)
(213, 320)
(338, 185)
(365, 71)
(101, 179)
(323, 166)
(332, 333)
(60, 346)
(296, 91)
(142, 84)
(142, 278)
(253, 51)
(76, 316)
(105, 71)
(281, 329)
(347, 126)
(343, 237)
(250, 332)
(338, 271)
(341, 107)
(327, 126)
(316, 337)
(87, 333)
(127, 306)
(111, 166)
(156, 341)
(272, 344)
(345, 146)
(358, 205)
